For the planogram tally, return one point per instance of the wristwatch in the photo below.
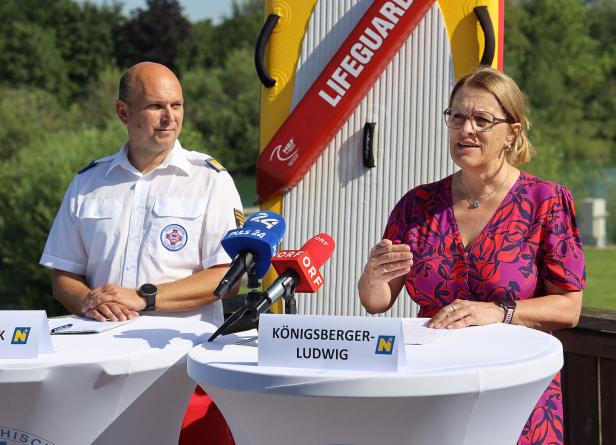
(148, 292)
(509, 306)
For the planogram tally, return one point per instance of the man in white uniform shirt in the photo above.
(141, 229)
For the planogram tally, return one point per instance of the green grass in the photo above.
(600, 278)
(247, 188)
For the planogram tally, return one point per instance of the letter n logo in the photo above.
(385, 344)
(20, 336)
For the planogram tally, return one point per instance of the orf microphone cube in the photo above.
(310, 279)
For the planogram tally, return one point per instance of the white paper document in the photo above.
(82, 325)
(416, 331)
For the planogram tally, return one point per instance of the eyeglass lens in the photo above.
(455, 118)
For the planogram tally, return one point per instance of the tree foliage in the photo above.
(199, 50)
(155, 34)
(96, 106)
(29, 56)
(210, 45)
(27, 115)
(84, 38)
(55, 45)
(34, 181)
(241, 29)
(235, 86)
(602, 16)
(551, 52)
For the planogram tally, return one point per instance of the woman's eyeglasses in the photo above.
(480, 120)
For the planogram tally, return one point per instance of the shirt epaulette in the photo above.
(88, 167)
(215, 165)
(95, 163)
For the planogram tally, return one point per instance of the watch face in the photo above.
(148, 289)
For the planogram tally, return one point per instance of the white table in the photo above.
(127, 385)
(473, 386)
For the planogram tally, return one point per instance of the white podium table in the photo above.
(473, 386)
(127, 385)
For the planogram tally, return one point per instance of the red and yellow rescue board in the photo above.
(357, 65)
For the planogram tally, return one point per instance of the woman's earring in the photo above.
(508, 148)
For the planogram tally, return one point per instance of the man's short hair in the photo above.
(124, 88)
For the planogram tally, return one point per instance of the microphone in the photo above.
(299, 269)
(251, 248)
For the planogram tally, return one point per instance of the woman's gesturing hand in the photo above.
(387, 261)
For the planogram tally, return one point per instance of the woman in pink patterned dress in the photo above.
(489, 243)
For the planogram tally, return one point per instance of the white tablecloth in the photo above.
(473, 386)
(127, 385)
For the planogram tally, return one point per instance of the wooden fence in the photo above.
(589, 379)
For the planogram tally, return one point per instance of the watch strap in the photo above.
(150, 303)
(509, 310)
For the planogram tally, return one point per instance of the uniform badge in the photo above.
(173, 237)
(215, 165)
(240, 219)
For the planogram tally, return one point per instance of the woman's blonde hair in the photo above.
(512, 101)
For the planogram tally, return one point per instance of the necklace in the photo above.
(474, 203)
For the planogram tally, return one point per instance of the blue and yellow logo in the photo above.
(20, 336)
(385, 344)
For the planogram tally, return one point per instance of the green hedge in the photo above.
(32, 185)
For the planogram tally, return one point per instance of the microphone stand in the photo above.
(251, 299)
(257, 302)
(284, 287)
(290, 305)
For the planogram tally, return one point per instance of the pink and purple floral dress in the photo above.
(532, 237)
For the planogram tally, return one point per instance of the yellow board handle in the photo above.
(466, 37)
(284, 47)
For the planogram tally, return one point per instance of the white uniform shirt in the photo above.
(117, 225)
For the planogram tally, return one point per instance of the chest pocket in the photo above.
(99, 208)
(176, 230)
(99, 220)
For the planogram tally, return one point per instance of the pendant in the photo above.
(474, 203)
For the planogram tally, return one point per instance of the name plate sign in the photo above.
(331, 342)
(24, 334)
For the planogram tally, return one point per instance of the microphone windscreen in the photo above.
(260, 235)
(270, 222)
(306, 262)
(321, 247)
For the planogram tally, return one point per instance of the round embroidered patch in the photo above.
(173, 237)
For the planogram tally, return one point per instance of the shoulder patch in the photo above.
(240, 219)
(87, 167)
(215, 165)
